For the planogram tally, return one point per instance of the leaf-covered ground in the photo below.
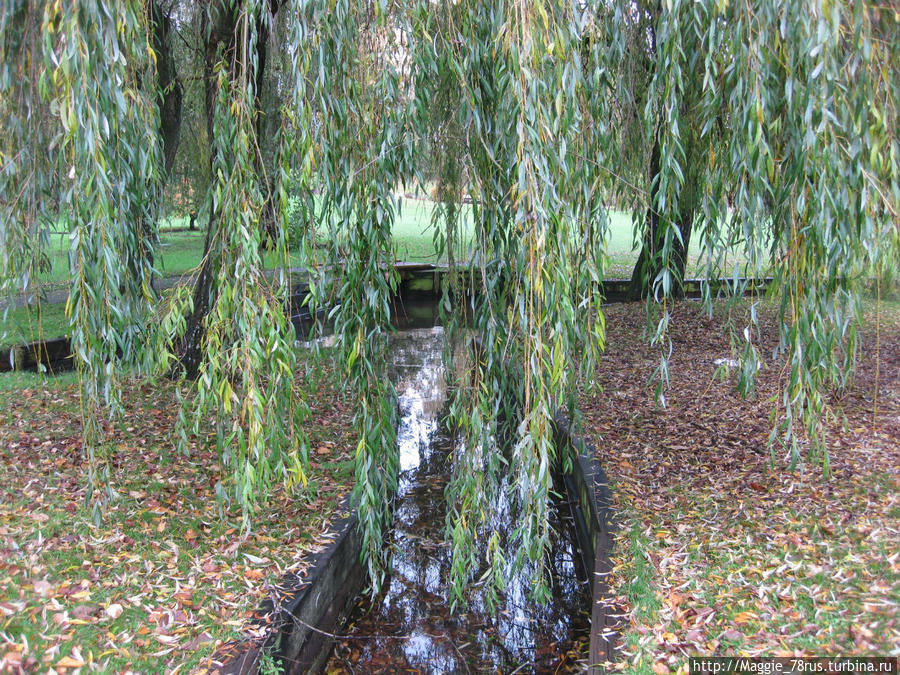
(166, 579)
(720, 552)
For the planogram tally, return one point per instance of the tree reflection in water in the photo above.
(409, 627)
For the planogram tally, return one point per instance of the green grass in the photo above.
(413, 232)
(181, 251)
(413, 235)
(640, 590)
(41, 321)
(15, 381)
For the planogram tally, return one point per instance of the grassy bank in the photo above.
(41, 321)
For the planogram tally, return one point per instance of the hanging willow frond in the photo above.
(28, 174)
(98, 63)
(361, 138)
(767, 129)
(246, 375)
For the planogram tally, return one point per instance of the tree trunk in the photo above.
(269, 219)
(220, 24)
(191, 354)
(169, 101)
(649, 264)
(170, 89)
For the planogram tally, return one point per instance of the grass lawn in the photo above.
(42, 321)
(413, 235)
(181, 251)
(720, 553)
(166, 578)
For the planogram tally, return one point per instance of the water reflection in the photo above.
(419, 380)
(409, 627)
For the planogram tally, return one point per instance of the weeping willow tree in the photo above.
(81, 128)
(804, 180)
(632, 35)
(773, 124)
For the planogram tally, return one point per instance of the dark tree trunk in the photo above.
(219, 26)
(269, 220)
(170, 89)
(169, 101)
(191, 344)
(649, 265)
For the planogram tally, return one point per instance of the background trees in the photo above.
(768, 127)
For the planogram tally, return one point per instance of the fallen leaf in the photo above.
(197, 642)
(83, 612)
(69, 662)
(42, 588)
(744, 617)
(114, 611)
(12, 660)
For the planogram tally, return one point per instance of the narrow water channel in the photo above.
(409, 628)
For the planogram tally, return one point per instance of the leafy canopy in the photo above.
(778, 119)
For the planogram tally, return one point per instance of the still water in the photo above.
(409, 628)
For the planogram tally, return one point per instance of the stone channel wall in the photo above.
(588, 490)
(335, 579)
(301, 628)
(416, 279)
